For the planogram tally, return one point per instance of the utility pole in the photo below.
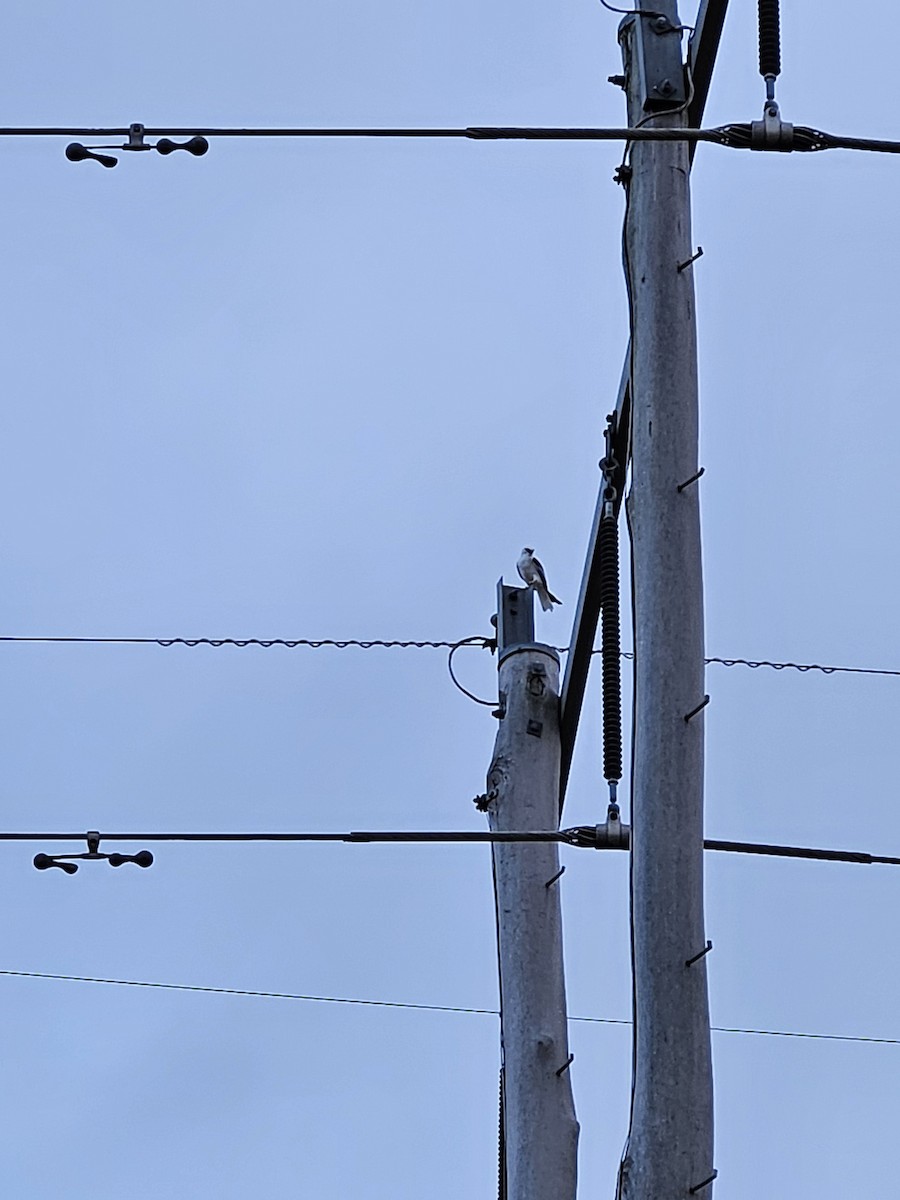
(539, 1132)
(670, 1145)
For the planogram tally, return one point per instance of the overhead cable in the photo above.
(289, 643)
(592, 837)
(486, 643)
(441, 1008)
(736, 136)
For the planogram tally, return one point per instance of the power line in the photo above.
(735, 136)
(442, 1008)
(485, 643)
(266, 643)
(593, 837)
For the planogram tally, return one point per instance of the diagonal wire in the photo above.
(443, 1008)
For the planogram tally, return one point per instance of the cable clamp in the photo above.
(771, 133)
(611, 835)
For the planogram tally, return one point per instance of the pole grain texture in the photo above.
(669, 1152)
(540, 1129)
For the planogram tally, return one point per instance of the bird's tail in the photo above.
(546, 598)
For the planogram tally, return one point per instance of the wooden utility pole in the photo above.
(539, 1130)
(670, 1146)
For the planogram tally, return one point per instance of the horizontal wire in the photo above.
(581, 837)
(400, 836)
(290, 643)
(486, 643)
(443, 1008)
(737, 136)
(474, 132)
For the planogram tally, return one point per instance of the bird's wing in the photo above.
(539, 570)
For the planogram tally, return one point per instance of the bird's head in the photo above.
(528, 550)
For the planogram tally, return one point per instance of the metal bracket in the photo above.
(515, 617)
(136, 138)
(771, 133)
(658, 61)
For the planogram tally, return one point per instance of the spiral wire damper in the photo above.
(611, 651)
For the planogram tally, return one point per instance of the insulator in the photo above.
(769, 39)
(610, 647)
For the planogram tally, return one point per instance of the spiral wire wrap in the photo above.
(769, 39)
(611, 646)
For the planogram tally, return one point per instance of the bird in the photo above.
(532, 572)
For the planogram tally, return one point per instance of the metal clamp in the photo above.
(771, 133)
(609, 465)
(611, 835)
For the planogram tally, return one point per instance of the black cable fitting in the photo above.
(693, 479)
(689, 962)
(700, 707)
(76, 152)
(705, 1184)
(687, 262)
(65, 862)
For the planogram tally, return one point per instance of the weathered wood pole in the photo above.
(670, 1147)
(540, 1129)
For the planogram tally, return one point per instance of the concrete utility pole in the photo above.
(670, 1145)
(539, 1130)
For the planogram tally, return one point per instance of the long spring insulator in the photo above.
(769, 39)
(611, 647)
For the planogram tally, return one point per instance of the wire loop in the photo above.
(485, 644)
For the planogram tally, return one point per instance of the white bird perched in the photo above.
(532, 572)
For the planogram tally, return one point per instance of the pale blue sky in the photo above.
(289, 390)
